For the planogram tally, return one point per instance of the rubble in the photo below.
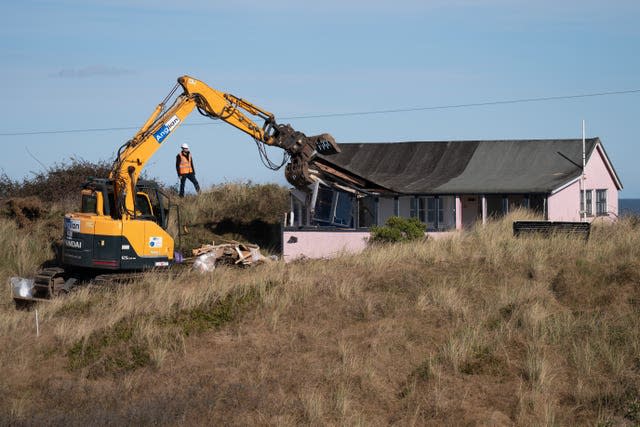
(232, 253)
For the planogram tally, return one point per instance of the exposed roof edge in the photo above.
(565, 185)
(340, 175)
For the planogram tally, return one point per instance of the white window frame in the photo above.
(601, 203)
(589, 203)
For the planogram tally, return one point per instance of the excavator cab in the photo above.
(151, 203)
(97, 237)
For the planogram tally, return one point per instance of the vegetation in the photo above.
(398, 229)
(61, 182)
(479, 328)
(242, 211)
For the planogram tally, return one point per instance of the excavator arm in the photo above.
(136, 152)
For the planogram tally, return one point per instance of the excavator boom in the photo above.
(214, 104)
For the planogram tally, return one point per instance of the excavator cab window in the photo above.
(143, 207)
(152, 204)
(89, 203)
(158, 203)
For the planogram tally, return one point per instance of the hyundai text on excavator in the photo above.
(122, 223)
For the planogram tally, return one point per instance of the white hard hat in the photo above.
(185, 146)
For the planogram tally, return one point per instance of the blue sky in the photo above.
(75, 65)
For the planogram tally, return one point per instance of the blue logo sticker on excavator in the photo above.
(166, 128)
(162, 133)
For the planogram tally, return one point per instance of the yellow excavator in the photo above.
(122, 223)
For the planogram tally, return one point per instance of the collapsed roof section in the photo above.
(455, 167)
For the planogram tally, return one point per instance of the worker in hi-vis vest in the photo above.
(185, 169)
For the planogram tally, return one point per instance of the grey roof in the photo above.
(448, 167)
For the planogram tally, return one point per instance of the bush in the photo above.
(60, 182)
(25, 210)
(398, 229)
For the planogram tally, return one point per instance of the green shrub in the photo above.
(398, 229)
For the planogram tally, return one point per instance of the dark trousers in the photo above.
(191, 177)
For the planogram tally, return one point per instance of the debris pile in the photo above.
(232, 253)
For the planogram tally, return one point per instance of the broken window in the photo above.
(324, 203)
(334, 207)
(344, 209)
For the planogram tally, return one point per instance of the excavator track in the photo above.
(49, 283)
(53, 282)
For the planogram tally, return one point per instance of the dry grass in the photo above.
(240, 201)
(240, 211)
(481, 329)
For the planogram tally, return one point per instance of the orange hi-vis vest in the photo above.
(185, 164)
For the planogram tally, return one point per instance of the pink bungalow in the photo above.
(449, 185)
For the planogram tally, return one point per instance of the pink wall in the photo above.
(327, 244)
(321, 244)
(565, 204)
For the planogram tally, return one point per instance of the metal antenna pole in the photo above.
(584, 191)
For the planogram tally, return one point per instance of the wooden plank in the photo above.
(328, 169)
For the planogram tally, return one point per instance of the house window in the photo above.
(432, 206)
(516, 201)
(416, 209)
(601, 202)
(367, 212)
(537, 203)
(495, 208)
(435, 212)
(588, 205)
(438, 212)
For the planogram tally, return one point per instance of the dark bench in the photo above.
(547, 228)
